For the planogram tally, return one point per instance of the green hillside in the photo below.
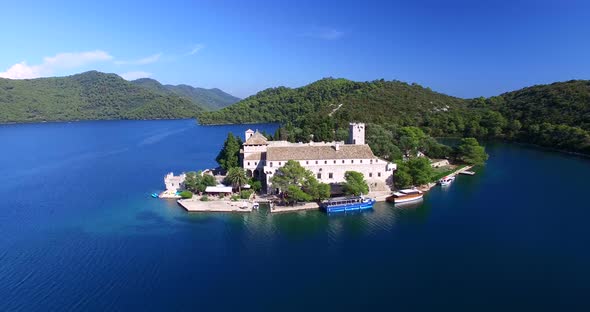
(555, 115)
(87, 96)
(211, 99)
(377, 101)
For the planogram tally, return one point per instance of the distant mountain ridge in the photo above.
(95, 95)
(211, 99)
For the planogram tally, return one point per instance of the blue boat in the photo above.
(155, 195)
(344, 204)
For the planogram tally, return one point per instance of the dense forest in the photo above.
(87, 96)
(556, 115)
(211, 99)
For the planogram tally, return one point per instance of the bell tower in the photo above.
(356, 133)
(248, 134)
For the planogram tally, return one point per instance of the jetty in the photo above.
(196, 205)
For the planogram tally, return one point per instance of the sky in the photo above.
(458, 47)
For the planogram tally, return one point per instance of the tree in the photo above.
(317, 190)
(412, 140)
(255, 185)
(197, 182)
(229, 156)
(420, 170)
(355, 183)
(402, 177)
(237, 177)
(292, 173)
(470, 152)
(296, 194)
(190, 181)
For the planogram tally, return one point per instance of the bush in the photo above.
(234, 198)
(245, 194)
(204, 198)
(186, 194)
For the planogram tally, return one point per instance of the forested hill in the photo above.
(212, 99)
(376, 101)
(555, 115)
(566, 103)
(87, 96)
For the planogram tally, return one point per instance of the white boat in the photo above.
(405, 196)
(446, 181)
(467, 172)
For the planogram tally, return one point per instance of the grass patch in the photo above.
(439, 173)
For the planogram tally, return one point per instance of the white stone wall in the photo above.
(378, 173)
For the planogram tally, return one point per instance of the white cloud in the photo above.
(324, 33)
(60, 61)
(196, 49)
(142, 61)
(132, 75)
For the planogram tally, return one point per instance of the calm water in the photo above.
(78, 231)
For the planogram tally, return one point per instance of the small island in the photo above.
(298, 176)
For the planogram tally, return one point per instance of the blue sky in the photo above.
(462, 48)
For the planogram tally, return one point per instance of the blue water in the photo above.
(79, 231)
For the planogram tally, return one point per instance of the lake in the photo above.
(79, 231)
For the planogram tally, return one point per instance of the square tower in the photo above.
(356, 133)
(248, 134)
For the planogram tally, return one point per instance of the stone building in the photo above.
(174, 183)
(327, 160)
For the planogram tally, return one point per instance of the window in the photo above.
(279, 163)
(325, 162)
(330, 175)
(271, 163)
(361, 161)
(255, 163)
(370, 174)
(334, 161)
(371, 161)
(342, 160)
(319, 175)
(316, 162)
(307, 162)
(352, 161)
(378, 174)
(248, 163)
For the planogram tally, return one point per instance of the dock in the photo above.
(196, 205)
(297, 207)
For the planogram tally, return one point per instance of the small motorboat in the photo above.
(155, 195)
(466, 172)
(405, 196)
(446, 181)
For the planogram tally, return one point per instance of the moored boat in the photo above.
(343, 204)
(446, 180)
(405, 196)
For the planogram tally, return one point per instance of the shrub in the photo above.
(245, 194)
(204, 198)
(186, 194)
(234, 197)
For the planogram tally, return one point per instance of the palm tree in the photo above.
(237, 177)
